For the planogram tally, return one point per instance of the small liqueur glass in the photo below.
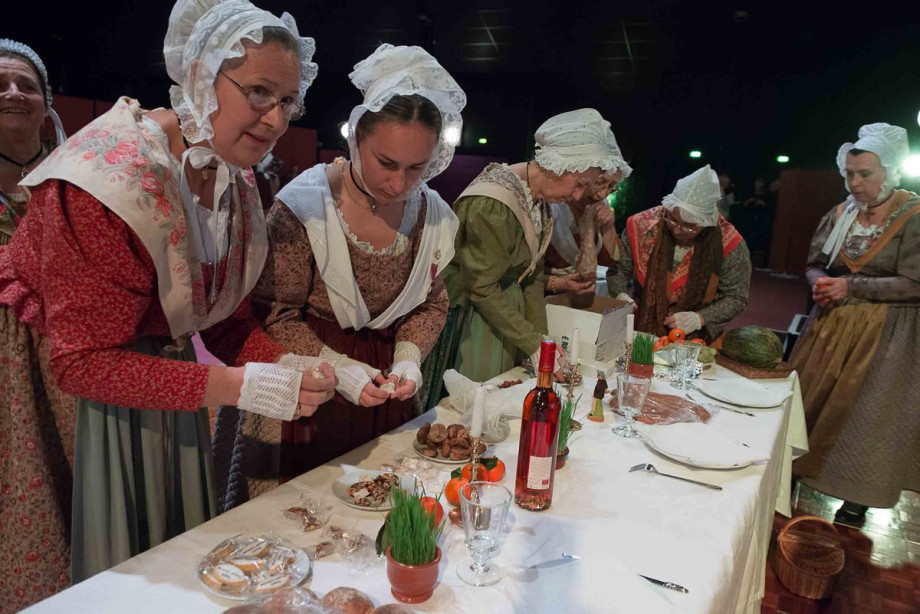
(484, 506)
(631, 393)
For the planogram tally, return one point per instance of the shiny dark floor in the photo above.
(882, 573)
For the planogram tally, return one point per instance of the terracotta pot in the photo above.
(412, 583)
(641, 370)
(561, 458)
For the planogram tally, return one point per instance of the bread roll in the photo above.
(349, 600)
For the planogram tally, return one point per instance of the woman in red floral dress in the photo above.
(144, 228)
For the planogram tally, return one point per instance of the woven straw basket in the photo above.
(809, 557)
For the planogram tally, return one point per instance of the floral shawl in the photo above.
(121, 163)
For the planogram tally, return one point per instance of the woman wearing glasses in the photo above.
(496, 281)
(584, 235)
(683, 264)
(144, 228)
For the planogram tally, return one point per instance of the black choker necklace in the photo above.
(351, 171)
(22, 165)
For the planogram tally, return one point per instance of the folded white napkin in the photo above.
(699, 444)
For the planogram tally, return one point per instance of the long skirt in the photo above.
(860, 372)
(439, 360)
(36, 456)
(253, 454)
(141, 477)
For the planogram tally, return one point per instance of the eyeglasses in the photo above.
(676, 226)
(262, 100)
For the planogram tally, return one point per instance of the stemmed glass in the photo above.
(685, 356)
(631, 393)
(484, 506)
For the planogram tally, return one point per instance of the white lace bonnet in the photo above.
(405, 71)
(888, 142)
(202, 34)
(696, 196)
(576, 141)
(24, 51)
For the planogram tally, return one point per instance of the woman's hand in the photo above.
(372, 395)
(829, 290)
(603, 216)
(572, 283)
(315, 390)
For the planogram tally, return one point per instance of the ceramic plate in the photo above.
(340, 488)
(743, 392)
(690, 462)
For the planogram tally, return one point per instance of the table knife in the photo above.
(670, 585)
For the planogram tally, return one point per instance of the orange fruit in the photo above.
(700, 341)
(432, 505)
(677, 334)
(482, 473)
(452, 490)
(498, 472)
(661, 344)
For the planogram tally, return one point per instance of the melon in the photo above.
(754, 346)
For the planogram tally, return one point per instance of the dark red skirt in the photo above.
(339, 426)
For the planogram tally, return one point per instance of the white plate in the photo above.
(340, 488)
(689, 461)
(743, 392)
(418, 447)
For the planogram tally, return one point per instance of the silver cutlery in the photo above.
(564, 560)
(720, 406)
(650, 468)
(670, 585)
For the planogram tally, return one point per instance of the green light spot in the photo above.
(782, 159)
(483, 140)
(696, 154)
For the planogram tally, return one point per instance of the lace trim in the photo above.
(860, 239)
(401, 243)
(552, 161)
(502, 175)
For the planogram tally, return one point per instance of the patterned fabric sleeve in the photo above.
(284, 287)
(816, 266)
(901, 288)
(488, 233)
(733, 291)
(424, 323)
(622, 279)
(97, 287)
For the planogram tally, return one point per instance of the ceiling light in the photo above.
(696, 154)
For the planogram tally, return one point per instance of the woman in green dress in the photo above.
(496, 280)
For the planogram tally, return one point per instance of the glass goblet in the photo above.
(484, 506)
(631, 393)
(685, 355)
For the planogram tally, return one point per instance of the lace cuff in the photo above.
(270, 390)
(407, 351)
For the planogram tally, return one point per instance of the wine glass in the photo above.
(685, 356)
(484, 506)
(631, 393)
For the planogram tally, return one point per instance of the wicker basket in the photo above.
(783, 369)
(808, 557)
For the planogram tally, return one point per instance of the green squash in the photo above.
(754, 346)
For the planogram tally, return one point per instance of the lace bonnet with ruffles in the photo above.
(405, 71)
(576, 141)
(202, 35)
(696, 196)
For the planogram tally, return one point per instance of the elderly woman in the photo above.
(144, 228)
(25, 101)
(683, 264)
(354, 272)
(858, 359)
(496, 280)
(584, 235)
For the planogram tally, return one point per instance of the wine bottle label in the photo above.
(539, 473)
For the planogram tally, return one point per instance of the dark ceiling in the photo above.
(740, 81)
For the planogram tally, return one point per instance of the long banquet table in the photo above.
(620, 523)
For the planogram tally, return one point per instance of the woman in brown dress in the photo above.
(354, 269)
(859, 359)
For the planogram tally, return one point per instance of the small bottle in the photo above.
(600, 389)
(536, 467)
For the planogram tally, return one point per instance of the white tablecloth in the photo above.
(620, 523)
